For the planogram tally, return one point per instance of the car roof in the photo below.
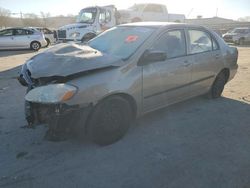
(161, 24)
(18, 28)
(142, 4)
(242, 28)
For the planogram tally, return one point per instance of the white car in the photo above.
(21, 38)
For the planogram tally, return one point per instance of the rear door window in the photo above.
(20, 32)
(199, 41)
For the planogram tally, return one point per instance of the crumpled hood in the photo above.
(69, 59)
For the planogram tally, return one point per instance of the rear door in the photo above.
(166, 82)
(6, 39)
(22, 38)
(206, 57)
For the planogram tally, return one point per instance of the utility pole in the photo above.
(21, 15)
(216, 15)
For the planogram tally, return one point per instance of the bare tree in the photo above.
(4, 17)
(45, 18)
(32, 20)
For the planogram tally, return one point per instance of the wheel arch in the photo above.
(35, 41)
(125, 96)
(47, 39)
(226, 72)
(130, 99)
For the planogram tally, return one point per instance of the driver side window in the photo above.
(173, 43)
(7, 32)
(105, 16)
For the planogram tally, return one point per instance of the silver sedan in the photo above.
(21, 38)
(122, 74)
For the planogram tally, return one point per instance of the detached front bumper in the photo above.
(61, 119)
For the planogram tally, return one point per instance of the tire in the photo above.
(218, 86)
(109, 121)
(48, 42)
(87, 37)
(35, 46)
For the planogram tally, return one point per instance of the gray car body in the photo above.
(147, 87)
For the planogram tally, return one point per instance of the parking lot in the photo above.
(200, 143)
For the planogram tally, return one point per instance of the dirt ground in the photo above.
(199, 143)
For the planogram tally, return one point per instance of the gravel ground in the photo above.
(199, 143)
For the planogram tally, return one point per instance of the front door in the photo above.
(6, 39)
(167, 81)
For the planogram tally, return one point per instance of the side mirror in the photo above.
(151, 56)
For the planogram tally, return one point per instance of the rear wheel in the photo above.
(35, 46)
(109, 121)
(218, 86)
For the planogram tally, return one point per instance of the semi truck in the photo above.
(90, 22)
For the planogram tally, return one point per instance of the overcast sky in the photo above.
(207, 8)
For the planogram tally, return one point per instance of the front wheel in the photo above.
(35, 46)
(109, 121)
(218, 86)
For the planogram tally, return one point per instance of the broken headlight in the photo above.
(53, 93)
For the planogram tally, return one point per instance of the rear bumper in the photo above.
(43, 43)
(233, 71)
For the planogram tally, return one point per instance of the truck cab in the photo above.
(90, 22)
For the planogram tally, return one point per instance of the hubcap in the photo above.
(35, 46)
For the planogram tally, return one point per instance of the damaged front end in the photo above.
(48, 76)
(44, 104)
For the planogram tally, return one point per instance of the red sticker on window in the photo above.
(131, 38)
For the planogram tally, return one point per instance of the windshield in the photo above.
(242, 31)
(121, 41)
(87, 15)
